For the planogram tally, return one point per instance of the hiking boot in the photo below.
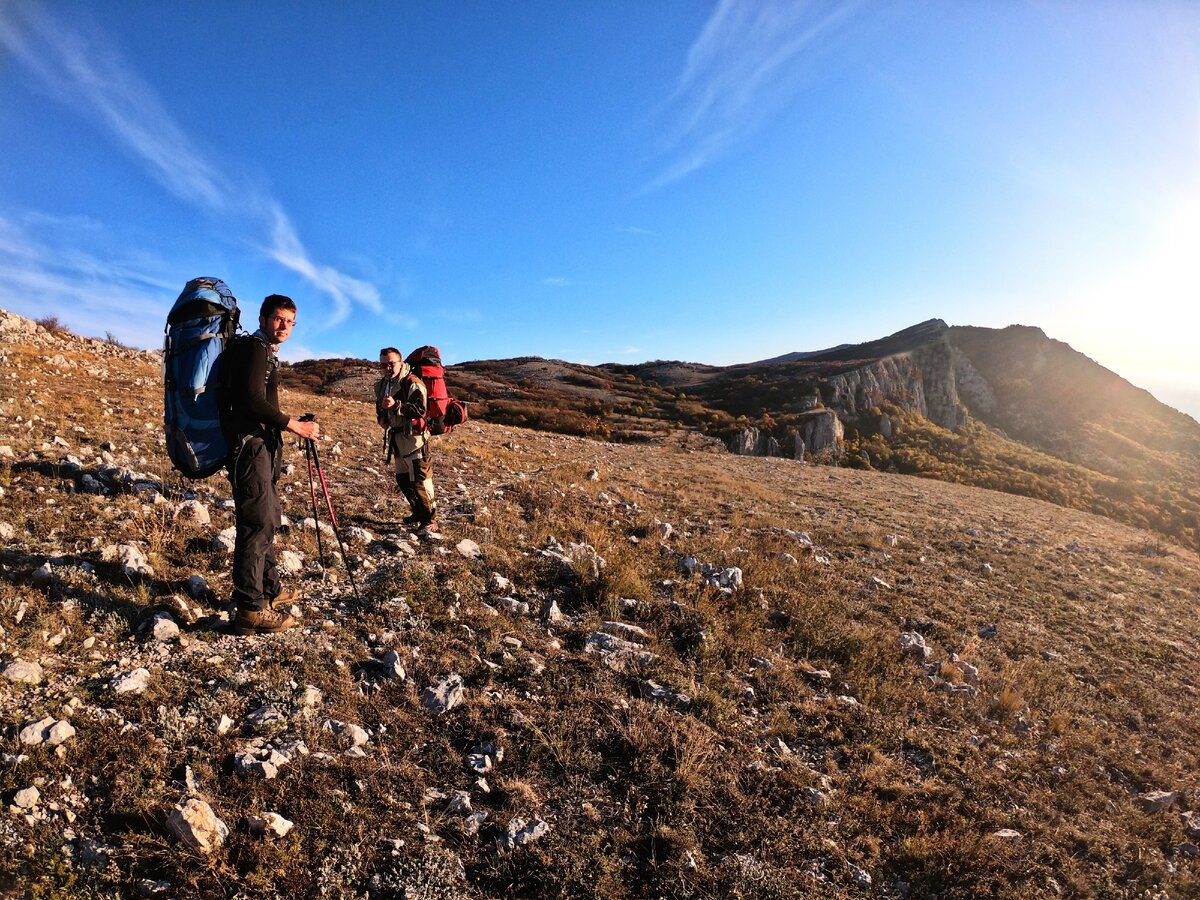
(409, 521)
(284, 600)
(260, 621)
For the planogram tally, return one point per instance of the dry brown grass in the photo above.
(1094, 651)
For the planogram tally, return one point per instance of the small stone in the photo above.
(311, 697)
(468, 549)
(270, 825)
(392, 665)
(163, 628)
(133, 561)
(27, 798)
(520, 834)
(224, 725)
(988, 632)
(593, 475)
(1157, 801)
(59, 733)
(224, 540)
(498, 584)
(444, 696)
(131, 682)
(1007, 834)
(290, 562)
(193, 511)
(21, 672)
(196, 825)
(348, 734)
(912, 644)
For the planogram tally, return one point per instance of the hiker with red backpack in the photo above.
(401, 409)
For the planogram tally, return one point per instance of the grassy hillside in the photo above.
(775, 741)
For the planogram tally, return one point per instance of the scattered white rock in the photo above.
(445, 695)
(131, 682)
(27, 798)
(290, 561)
(468, 549)
(1157, 801)
(20, 672)
(392, 665)
(1007, 834)
(224, 540)
(912, 644)
(195, 824)
(35, 733)
(347, 734)
(133, 561)
(520, 834)
(193, 511)
(270, 825)
(163, 628)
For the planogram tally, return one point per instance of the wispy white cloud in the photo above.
(96, 293)
(628, 351)
(286, 248)
(749, 58)
(633, 229)
(557, 282)
(86, 73)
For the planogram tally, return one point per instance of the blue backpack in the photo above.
(199, 327)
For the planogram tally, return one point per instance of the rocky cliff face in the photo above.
(751, 441)
(922, 380)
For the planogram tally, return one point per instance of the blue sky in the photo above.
(613, 181)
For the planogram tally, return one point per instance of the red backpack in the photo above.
(442, 412)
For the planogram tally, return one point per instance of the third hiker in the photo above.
(401, 401)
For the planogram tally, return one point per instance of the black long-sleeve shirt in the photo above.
(252, 387)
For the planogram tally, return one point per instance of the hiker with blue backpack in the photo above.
(221, 410)
(254, 426)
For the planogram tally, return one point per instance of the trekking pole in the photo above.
(312, 448)
(312, 490)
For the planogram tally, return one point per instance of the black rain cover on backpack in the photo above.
(199, 327)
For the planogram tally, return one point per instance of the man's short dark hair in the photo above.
(276, 302)
(387, 350)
